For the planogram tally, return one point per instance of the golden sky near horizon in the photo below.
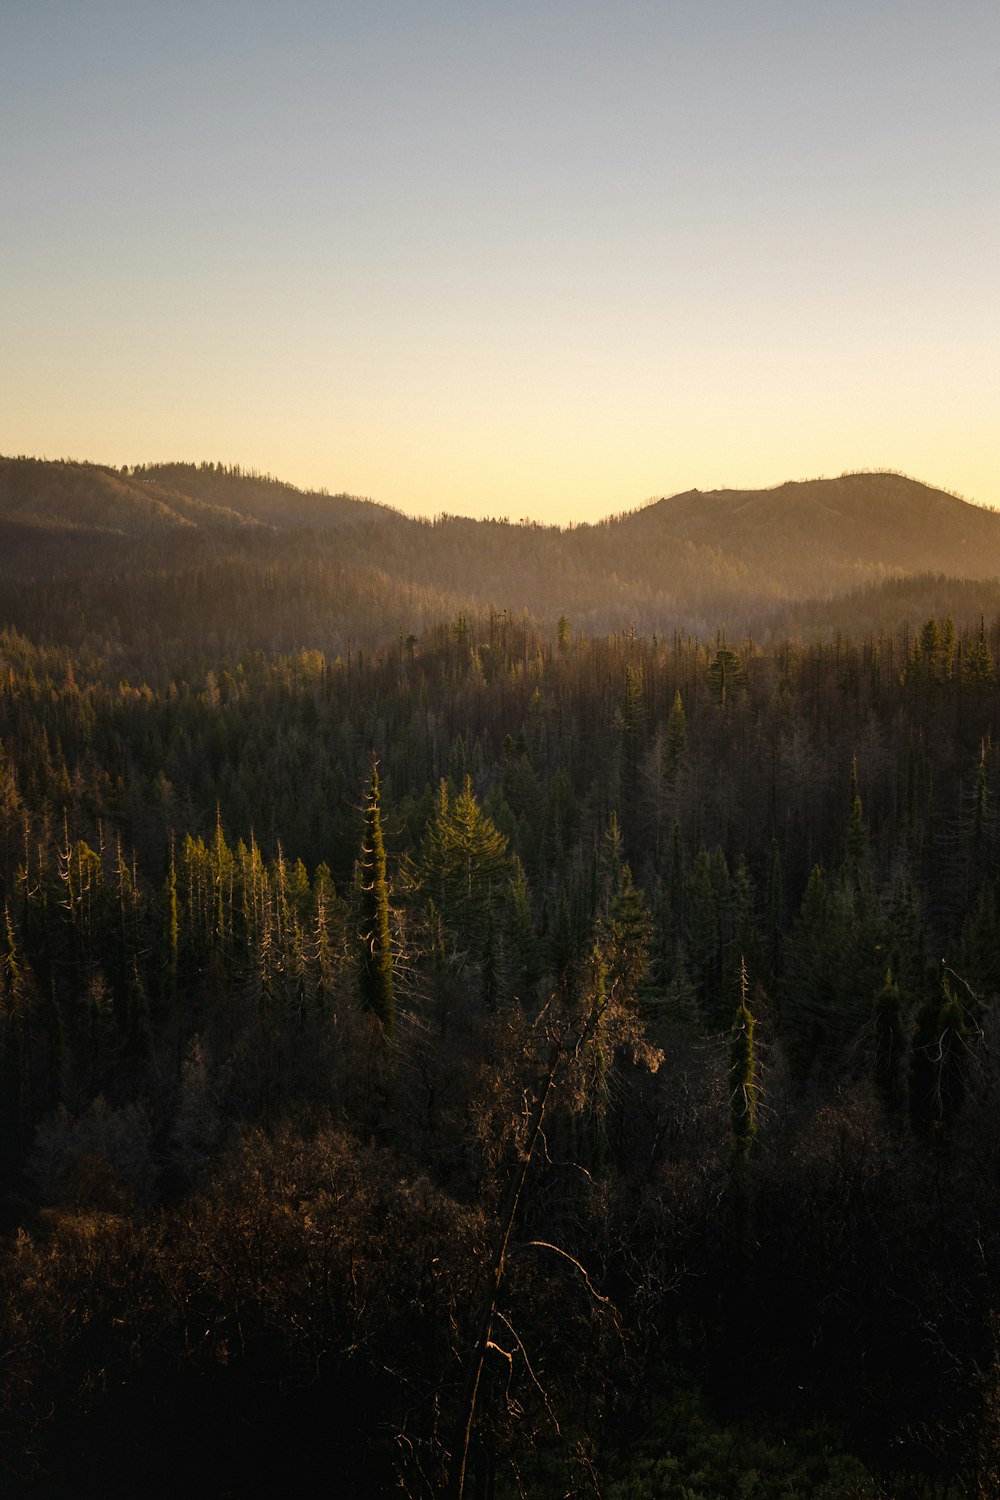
(511, 259)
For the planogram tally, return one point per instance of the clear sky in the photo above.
(510, 257)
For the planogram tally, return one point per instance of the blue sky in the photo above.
(524, 259)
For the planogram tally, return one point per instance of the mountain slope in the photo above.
(259, 497)
(63, 496)
(821, 536)
(80, 497)
(695, 561)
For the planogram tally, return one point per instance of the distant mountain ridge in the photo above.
(695, 561)
(864, 522)
(63, 494)
(260, 497)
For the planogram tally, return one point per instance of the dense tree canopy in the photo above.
(590, 1089)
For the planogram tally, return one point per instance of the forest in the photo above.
(451, 1050)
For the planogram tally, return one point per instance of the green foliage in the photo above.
(463, 864)
(833, 965)
(726, 673)
(856, 840)
(187, 1083)
(977, 671)
(675, 745)
(930, 661)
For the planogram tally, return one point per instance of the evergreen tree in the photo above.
(675, 744)
(929, 663)
(856, 839)
(171, 933)
(977, 663)
(725, 673)
(744, 1083)
(376, 984)
(463, 864)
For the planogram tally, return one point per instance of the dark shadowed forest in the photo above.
(473, 1033)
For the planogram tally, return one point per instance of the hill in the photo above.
(736, 559)
(821, 536)
(43, 496)
(697, 561)
(62, 496)
(259, 497)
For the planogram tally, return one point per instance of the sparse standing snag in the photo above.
(744, 1089)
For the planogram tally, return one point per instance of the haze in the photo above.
(518, 259)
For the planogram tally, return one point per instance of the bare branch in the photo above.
(544, 1245)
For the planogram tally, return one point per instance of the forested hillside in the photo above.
(463, 1052)
(699, 562)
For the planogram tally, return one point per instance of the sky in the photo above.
(545, 258)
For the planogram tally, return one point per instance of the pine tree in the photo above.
(856, 839)
(463, 864)
(15, 1046)
(726, 673)
(744, 1084)
(977, 663)
(675, 744)
(929, 663)
(375, 956)
(322, 951)
(625, 936)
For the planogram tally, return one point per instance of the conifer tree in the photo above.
(977, 663)
(675, 744)
(856, 841)
(322, 951)
(725, 673)
(744, 1084)
(625, 936)
(929, 663)
(14, 1071)
(171, 927)
(462, 864)
(375, 956)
